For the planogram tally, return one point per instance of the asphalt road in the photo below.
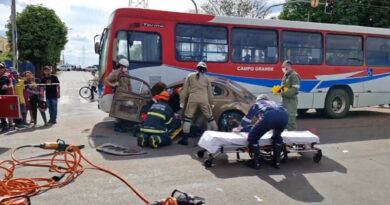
(354, 168)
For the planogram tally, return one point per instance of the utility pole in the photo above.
(139, 4)
(14, 36)
(196, 6)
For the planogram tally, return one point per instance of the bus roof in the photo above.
(301, 25)
(202, 18)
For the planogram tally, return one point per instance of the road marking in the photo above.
(219, 189)
(345, 151)
(258, 198)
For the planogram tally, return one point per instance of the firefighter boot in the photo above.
(255, 152)
(142, 140)
(278, 148)
(184, 139)
(154, 141)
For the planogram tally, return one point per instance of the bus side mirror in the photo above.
(97, 47)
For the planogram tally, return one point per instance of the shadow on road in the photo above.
(4, 150)
(103, 132)
(373, 112)
(25, 130)
(289, 180)
(359, 125)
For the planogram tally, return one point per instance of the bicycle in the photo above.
(86, 91)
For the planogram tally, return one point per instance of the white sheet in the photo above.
(213, 140)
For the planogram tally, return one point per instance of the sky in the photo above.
(86, 18)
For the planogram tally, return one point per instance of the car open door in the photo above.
(130, 98)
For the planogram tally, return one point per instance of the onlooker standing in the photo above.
(52, 91)
(36, 96)
(27, 99)
(95, 83)
(4, 86)
(292, 81)
(19, 91)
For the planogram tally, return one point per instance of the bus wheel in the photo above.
(230, 120)
(337, 103)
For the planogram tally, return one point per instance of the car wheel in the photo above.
(230, 120)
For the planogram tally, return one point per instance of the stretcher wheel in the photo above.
(317, 156)
(284, 156)
(208, 163)
(200, 153)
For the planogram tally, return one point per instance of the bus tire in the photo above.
(337, 103)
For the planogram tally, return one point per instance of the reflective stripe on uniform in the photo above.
(153, 131)
(187, 119)
(296, 86)
(246, 119)
(157, 115)
(169, 122)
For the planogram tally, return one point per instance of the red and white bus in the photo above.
(340, 65)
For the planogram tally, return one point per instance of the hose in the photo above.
(67, 163)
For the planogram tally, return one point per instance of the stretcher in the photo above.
(215, 143)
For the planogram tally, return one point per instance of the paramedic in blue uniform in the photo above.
(270, 116)
(155, 130)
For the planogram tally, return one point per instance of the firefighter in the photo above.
(117, 78)
(196, 94)
(270, 116)
(291, 81)
(155, 131)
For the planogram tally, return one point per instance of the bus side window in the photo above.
(250, 45)
(344, 50)
(200, 42)
(303, 48)
(378, 51)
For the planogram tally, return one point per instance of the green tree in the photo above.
(41, 35)
(372, 13)
(242, 8)
(5, 56)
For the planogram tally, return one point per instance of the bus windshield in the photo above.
(139, 47)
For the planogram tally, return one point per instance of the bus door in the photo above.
(130, 98)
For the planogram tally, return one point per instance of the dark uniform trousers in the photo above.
(155, 131)
(275, 120)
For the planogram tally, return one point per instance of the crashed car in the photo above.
(231, 101)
